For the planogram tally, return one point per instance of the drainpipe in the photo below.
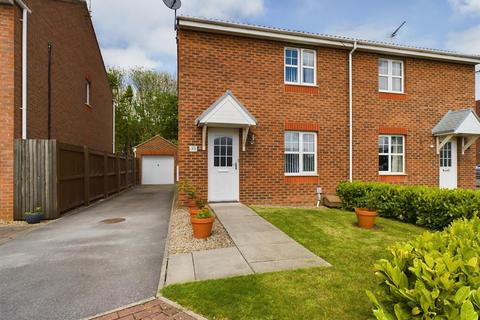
(25, 12)
(350, 110)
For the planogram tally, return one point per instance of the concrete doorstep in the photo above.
(259, 247)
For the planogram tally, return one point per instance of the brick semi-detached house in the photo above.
(80, 99)
(264, 113)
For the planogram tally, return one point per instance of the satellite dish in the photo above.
(173, 4)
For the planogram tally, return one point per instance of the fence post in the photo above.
(105, 175)
(118, 172)
(86, 176)
(134, 177)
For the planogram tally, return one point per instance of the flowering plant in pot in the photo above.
(33, 217)
(367, 214)
(202, 224)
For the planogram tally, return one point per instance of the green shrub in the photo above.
(435, 276)
(430, 207)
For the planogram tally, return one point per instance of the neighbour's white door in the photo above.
(223, 153)
(158, 169)
(448, 165)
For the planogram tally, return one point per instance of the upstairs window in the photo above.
(300, 153)
(300, 66)
(390, 75)
(391, 154)
(87, 92)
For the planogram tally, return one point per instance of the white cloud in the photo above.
(465, 6)
(140, 33)
(129, 57)
(466, 41)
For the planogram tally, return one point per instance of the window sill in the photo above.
(301, 175)
(300, 84)
(391, 174)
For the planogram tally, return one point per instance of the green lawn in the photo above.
(337, 292)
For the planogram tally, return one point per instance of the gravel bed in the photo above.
(13, 223)
(181, 235)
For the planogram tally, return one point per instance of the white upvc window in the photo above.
(87, 92)
(300, 66)
(391, 154)
(390, 75)
(300, 153)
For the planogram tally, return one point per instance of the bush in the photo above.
(435, 276)
(430, 207)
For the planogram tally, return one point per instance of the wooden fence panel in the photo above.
(34, 175)
(60, 177)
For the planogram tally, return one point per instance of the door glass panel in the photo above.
(446, 155)
(222, 152)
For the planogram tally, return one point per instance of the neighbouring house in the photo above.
(265, 113)
(54, 83)
(478, 141)
(157, 158)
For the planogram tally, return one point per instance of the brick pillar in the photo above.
(7, 39)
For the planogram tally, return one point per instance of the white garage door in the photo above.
(158, 170)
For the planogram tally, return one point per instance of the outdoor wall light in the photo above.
(252, 138)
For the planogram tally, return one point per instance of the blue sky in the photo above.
(140, 33)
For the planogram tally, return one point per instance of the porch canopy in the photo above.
(462, 123)
(226, 112)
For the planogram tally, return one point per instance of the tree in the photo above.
(146, 104)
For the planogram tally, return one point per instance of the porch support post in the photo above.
(244, 138)
(443, 143)
(467, 145)
(204, 137)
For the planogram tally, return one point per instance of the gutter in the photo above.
(350, 111)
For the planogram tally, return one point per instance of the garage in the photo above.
(157, 161)
(158, 170)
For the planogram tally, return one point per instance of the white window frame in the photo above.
(300, 67)
(87, 92)
(389, 75)
(390, 154)
(300, 152)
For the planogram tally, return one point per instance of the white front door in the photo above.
(158, 170)
(448, 165)
(223, 153)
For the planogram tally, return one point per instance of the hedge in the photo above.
(434, 276)
(429, 207)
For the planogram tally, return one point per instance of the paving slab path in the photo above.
(259, 247)
(79, 266)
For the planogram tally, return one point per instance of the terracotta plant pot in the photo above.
(194, 211)
(366, 218)
(202, 228)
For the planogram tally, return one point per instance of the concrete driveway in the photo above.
(78, 266)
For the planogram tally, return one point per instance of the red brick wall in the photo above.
(431, 89)
(75, 57)
(156, 146)
(210, 64)
(7, 100)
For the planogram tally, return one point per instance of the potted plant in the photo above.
(33, 217)
(191, 193)
(367, 214)
(202, 224)
(39, 211)
(199, 206)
